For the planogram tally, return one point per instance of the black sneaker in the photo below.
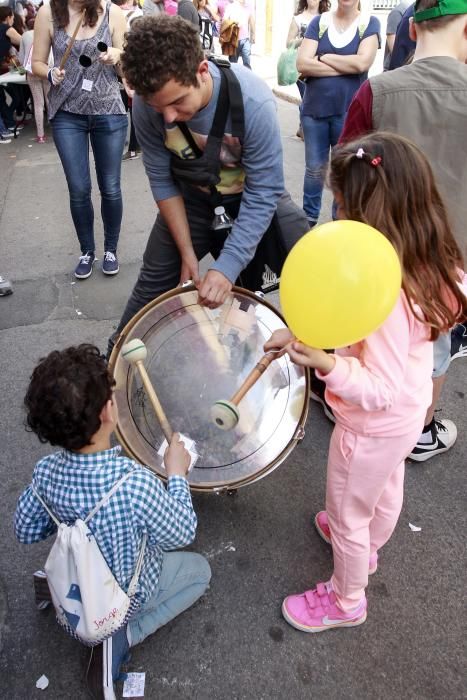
(42, 596)
(318, 387)
(105, 665)
(459, 342)
(440, 436)
(84, 267)
(110, 263)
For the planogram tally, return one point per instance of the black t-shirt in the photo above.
(188, 11)
(5, 43)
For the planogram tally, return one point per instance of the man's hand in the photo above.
(176, 458)
(213, 289)
(306, 356)
(190, 269)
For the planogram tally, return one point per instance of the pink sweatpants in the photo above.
(364, 492)
(39, 91)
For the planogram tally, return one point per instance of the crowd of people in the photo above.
(209, 136)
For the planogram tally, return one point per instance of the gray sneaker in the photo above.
(5, 287)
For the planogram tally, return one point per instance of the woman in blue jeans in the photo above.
(85, 106)
(334, 57)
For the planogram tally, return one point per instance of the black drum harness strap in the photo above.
(203, 170)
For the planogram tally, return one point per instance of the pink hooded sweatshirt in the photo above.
(382, 386)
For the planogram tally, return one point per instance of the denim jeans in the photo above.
(320, 135)
(72, 133)
(184, 578)
(6, 110)
(243, 50)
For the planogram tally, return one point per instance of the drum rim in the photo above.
(234, 485)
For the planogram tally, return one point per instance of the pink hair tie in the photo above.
(376, 161)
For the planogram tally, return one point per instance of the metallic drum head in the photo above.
(197, 356)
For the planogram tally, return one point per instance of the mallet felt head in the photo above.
(134, 350)
(225, 414)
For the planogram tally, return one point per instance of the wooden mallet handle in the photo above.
(135, 352)
(72, 41)
(254, 375)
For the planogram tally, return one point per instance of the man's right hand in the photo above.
(176, 458)
(190, 269)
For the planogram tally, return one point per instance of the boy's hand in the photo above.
(279, 339)
(176, 458)
(306, 356)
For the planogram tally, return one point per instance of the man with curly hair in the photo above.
(70, 404)
(177, 89)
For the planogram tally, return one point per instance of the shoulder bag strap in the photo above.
(237, 112)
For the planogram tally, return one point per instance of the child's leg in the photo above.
(35, 85)
(360, 470)
(387, 510)
(184, 578)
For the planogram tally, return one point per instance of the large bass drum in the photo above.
(197, 356)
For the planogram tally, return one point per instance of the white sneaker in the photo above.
(440, 438)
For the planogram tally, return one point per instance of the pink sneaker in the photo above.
(317, 611)
(41, 139)
(322, 527)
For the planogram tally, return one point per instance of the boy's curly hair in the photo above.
(66, 394)
(159, 49)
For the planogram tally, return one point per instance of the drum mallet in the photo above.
(135, 353)
(72, 41)
(225, 414)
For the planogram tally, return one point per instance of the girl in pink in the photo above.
(380, 388)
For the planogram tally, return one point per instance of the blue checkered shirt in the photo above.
(72, 484)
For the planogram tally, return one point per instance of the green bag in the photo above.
(287, 73)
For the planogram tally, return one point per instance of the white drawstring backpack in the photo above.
(88, 601)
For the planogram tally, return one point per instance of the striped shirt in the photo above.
(72, 484)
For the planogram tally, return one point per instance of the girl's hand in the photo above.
(57, 76)
(279, 339)
(111, 57)
(306, 356)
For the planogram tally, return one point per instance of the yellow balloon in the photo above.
(339, 283)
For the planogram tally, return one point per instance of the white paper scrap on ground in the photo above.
(42, 683)
(415, 528)
(133, 686)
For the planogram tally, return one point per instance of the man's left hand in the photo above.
(213, 289)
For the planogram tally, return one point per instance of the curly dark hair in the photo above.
(66, 394)
(159, 49)
(61, 14)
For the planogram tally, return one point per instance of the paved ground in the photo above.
(233, 645)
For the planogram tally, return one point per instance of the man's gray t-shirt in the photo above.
(251, 168)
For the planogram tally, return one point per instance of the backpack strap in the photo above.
(45, 506)
(97, 507)
(324, 25)
(108, 496)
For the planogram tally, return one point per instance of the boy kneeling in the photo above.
(70, 404)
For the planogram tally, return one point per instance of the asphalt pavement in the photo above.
(233, 644)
